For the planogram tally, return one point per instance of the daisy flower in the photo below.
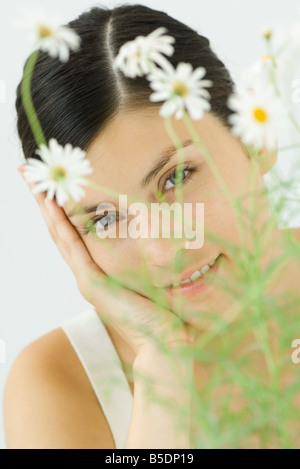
(137, 57)
(180, 88)
(258, 116)
(49, 35)
(285, 41)
(266, 32)
(287, 37)
(60, 172)
(263, 69)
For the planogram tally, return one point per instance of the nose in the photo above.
(161, 252)
(163, 256)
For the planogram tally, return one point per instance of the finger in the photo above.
(69, 243)
(40, 198)
(68, 238)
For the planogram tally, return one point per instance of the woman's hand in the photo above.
(139, 320)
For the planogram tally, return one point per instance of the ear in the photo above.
(267, 159)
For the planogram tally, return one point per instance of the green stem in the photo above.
(27, 100)
(178, 264)
(272, 76)
(211, 163)
(206, 155)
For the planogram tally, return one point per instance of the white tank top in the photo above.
(102, 365)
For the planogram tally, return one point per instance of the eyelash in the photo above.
(191, 170)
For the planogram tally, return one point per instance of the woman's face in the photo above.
(122, 156)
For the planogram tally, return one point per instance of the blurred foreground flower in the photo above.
(51, 37)
(286, 39)
(265, 71)
(60, 173)
(258, 116)
(136, 57)
(181, 88)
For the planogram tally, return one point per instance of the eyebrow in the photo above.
(89, 209)
(164, 159)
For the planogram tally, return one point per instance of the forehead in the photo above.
(128, 147)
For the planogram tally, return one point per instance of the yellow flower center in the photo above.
(44, 31)
(58, 173)
(267, 34)
(180, 89)
(267, 57)
(260, 115)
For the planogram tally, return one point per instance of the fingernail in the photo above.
(22, 175)
(21, 168)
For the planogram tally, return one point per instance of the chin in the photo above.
(210, 312)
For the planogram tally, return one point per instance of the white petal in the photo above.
(168, 108)
(51, 191)
(157, 32)
(184, 70)
(198, 73)
(195, 107)
(42, 187)
(161, 60)
(61, 196)
(63, 52)
(158, 96)
(70, 37)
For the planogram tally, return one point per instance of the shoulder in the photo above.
(49, 402)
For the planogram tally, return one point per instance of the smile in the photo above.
(195, 275)
(194, 284)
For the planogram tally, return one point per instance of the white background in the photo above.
(38, 290)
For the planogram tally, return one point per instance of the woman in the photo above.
(52, 402)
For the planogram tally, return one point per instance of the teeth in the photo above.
(176, 284)
(195, 275)
(188, 280)
(204, 269)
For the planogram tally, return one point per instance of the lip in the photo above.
(194, 288)
(190, 272)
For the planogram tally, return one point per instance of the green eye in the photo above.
(177, 177)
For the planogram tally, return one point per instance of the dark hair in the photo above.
(75, 100)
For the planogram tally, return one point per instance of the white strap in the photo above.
(102, 364)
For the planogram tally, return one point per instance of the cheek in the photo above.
(220, 219)
(112, 256)
(102, 253)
